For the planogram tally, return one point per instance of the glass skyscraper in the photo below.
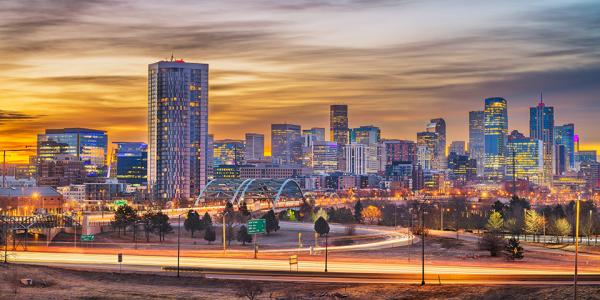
(286, 144)
(130, 162)
(495, 137)
(525, 159)
(338, 123)
(477, 139)
(178, 129)
(541, 127)
(88, 145)
(565, 135)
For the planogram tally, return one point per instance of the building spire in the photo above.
(541, 98)
(171, 55)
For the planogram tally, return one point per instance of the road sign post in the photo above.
(294, 261)
(255, 227)
(120, 260)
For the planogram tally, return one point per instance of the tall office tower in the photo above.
(177, 130)
(324, 157)
(88, 145)
(427, 146)
(361, 159)
(338, 124)
(316, 134)
(439, 127)
(526, 158)
(286, 144)
(365, 135)
(541, 127)
(457, 147)
(255, 146)
(228, 152)
(477, 139)
(495, 138)
(565, 135)
(129, 163)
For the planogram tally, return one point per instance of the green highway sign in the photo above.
(120, 202)
(257, 226)
(87, 237)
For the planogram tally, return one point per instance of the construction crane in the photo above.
(25, 149)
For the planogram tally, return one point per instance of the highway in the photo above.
(339, 271)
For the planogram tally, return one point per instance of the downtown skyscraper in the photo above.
(495, 137)
(338, 124)
(286, 144)
(541, 127)
(477, 139)
(178, 129)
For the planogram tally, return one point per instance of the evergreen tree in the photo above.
(125, 216)
(272, 223)
(161, 225)
(206, 220)
(243, 236)
(358, 208)
(210, 235)
(513, 250)
(244, 209)
(321, 226)
(192, 222)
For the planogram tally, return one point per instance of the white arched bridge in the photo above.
(255, 192)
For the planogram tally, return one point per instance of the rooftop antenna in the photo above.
(541, 98)
(171, 56)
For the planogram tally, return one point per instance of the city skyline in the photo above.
(100, 82)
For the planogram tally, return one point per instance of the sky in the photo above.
(397, 64)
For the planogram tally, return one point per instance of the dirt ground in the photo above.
(57, 283)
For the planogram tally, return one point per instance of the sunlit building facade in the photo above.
(88, 145)
(178, 129)
(495, 138)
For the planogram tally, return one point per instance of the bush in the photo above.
(493, 243)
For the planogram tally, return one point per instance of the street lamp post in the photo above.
(422, 247)
(178, 241)
(577, 204)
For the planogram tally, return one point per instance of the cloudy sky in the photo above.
(73, 63)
